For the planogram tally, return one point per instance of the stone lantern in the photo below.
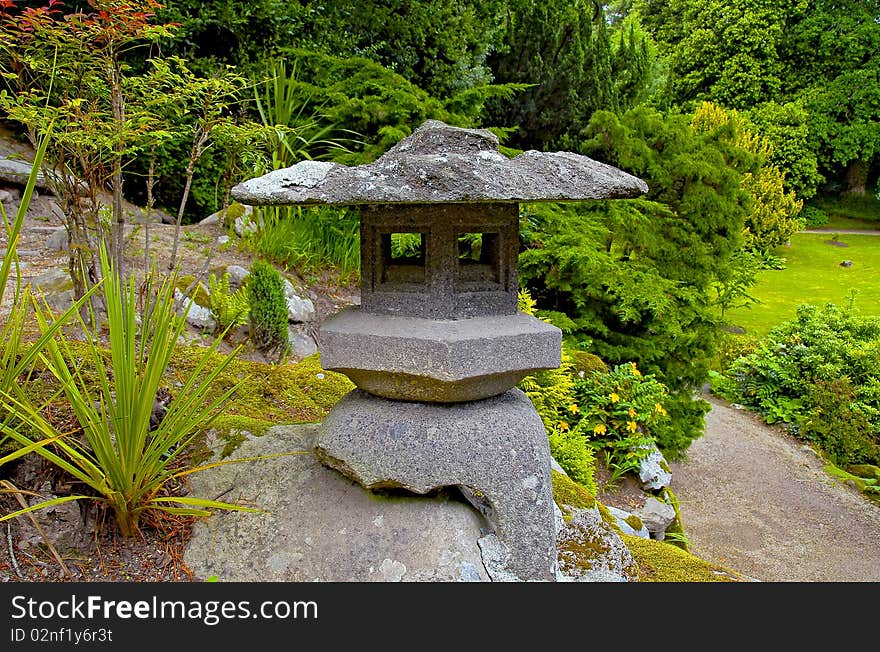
(437, 345)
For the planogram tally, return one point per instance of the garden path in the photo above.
(843, 231)
(756, 500)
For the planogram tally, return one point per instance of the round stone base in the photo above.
(496, 450)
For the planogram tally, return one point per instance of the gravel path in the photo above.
(757, 501)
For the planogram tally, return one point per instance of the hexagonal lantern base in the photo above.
(418, 359)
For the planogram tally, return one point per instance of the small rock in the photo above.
(52, 281)
(196, 316)
(657, 516)
(624, 519)
(244, 224)
(57, 241)
(298, 309)
(302, 343)
(222, 240)
(6, 197)
(654, 470)
(846, 263)
(237, 275)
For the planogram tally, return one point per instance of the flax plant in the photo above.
(17, 354)
(127, 465)
(300, 132)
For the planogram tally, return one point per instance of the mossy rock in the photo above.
(675, 530)
(233, 212)
(608, 518)
(634, 522)
(569, 495)
(588, 545)
(582, 361)
(200, 293)
(863, 470)
(870, 486)
(658, 561)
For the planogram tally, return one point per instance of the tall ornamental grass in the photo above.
(17, 354)
(114, 452)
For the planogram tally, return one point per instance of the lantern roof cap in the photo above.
(439, 163)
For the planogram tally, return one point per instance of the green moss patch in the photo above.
(657, 561)
(569, 495)
(868, 485)
(675, 534)
(634, 522)
(277, 394)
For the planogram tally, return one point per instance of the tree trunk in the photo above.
(857, 178)
(201, 137)
(189, 175)
(151, 182)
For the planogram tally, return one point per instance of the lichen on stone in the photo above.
(588, 543)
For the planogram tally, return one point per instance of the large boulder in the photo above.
(320, 526)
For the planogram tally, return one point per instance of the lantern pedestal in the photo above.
(495, 450)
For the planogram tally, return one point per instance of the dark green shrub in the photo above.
(820, 373)
(268, 308)
(584, 363)
(637, 277)
(814, 216)
(838, 424)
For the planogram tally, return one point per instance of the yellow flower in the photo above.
(614, 397)
(563, 426)
(636, 372)
(599, 429)
(632, 425)
(659, 408)
(632, 412)
(573, 408)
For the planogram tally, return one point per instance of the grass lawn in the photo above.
(813, 275)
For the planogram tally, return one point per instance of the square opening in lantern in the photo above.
(403, 258)
(478, 260)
